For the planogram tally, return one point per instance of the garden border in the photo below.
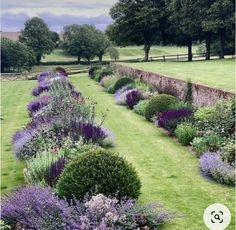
(202, 95)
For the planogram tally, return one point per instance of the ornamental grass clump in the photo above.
(170, 119)
(99, 171)
(140, 107)
(185, 133)
(214, 167)
(39, 169)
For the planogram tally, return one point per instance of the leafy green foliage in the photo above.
(111, 89)
(185, 133)
(16, 56)
(99, 172)
(37, 36)
(135, 23)
(38, 167)
(122, 82)
(210, 142)
(140, 107)
(101, 73)
(92, 71)
(228, 152)
(217, 119)
(159, 103)
(113, 52)
(84, 41)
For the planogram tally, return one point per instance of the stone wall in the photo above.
(202, 95)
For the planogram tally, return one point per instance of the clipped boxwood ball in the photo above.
(99, 171)
(92, 71)
(122, 82)
(159, 103)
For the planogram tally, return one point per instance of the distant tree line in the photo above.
(179, 22)
(35, 41)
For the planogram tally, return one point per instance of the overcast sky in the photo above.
(56, 13)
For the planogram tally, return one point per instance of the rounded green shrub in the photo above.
(97, 172)
(92, 71)
(122, 82)
(185, 133)
(159, 103)
(103, 73)
(111, 89)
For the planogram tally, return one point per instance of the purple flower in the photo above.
(55, 171)
(34, 208)
(169, 119)
(75, 94)
(43, 76)
(37, 104)
(213, 166)
(42, 86)
(133, 97)
(91, 132)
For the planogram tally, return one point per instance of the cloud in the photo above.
(56, 13)
(15, 22)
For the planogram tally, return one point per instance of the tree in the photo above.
(37, 36)
(137, 22)
(55, 38)
(186, 23)
(80, 41)
(102, 44)
(16, 56)
(220, 20)
(114, 54)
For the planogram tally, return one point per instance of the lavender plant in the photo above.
(170, 119)
(213, 166)
(133, 97)
(37, 104)
(35, 207)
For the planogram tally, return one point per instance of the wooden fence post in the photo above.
(177, 57)
(164, 58)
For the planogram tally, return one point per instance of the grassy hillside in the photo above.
(215, 73)
(129, 52)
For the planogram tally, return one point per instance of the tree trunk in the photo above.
(208, 46)
(190, 55)
(79, 58)
(221, 43)
(38, 58)
(146, 51)
(100, 58)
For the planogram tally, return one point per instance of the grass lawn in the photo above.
(168, 171)
(216, 73)
(128, 52)
(15, 97)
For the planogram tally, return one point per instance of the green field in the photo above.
(215, 73)
(128, 52)
(169, 172)
(15, 97)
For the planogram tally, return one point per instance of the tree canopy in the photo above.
(16, 56)
(85, 42)
(37, 36)
(138, 22)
